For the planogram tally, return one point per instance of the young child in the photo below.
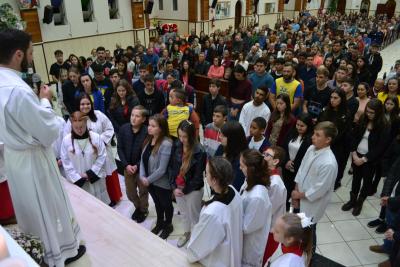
(83, 155)
(178, 111)
(131, 137)
(257, 140)
(275, 157)
(293, 231)
(212, 130)
(211, 101)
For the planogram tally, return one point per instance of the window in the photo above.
(269, 8)
(59, 13)
(223, 10)
(174, 5)
(161, 4)
(113, 9)
(87, 10)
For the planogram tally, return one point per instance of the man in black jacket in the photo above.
(374, 60)
(201, 67)
(131, 137)
(210, 101)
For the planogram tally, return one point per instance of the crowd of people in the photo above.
(303, 97)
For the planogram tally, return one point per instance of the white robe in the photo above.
(217, 240)
(289, 260)
(104, 128)
(76, 163)
(2, 170)
(316, 178)
(28, 127)
(57, 144)
(257, 212)
(277, 194)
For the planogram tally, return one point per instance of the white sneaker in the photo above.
(183, 239)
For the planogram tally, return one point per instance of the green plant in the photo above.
(8, 19)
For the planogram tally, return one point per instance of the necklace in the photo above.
(84, 146)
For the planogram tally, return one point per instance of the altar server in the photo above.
(83, 155)
(257, 207)
(100, 124)
(217, 238)
(294, 233)
(28, 127)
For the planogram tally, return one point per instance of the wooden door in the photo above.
(192, 10)
(341, 6)
(30, 16)
(204, 10)
(137, 15)
(238, 14)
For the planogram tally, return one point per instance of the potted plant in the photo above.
(8, 18)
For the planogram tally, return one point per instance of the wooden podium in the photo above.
(30, 16)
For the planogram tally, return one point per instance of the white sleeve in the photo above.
(35, 117)
(320, 188)
(242, 119)
(98, 165)
(70, 173)
(67, 128)
(256, 215)
(207, 234)
(107, 130)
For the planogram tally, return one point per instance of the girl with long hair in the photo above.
(257, 207)
(122, 103)
(186, 169)
(370, 139)
(281, 121)
(294, 233)
(362, 71)
(240, 91)
(83, 156)
(392, 88)
(154, 173)
(233, 142)
(363, 99)
(100, 124)
(186, 74)
(217, 239)
(88, 86)
(337, 112)
(296, 145)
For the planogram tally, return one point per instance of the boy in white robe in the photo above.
(83, 156)
(277, 194)
(316, 176)
(28, 128)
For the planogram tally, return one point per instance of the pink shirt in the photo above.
(216, 72)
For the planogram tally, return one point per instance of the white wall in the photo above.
(167, 13)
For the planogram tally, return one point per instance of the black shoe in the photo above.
(351, 203)
(142, 216)
(167, 231)
(157, 229)
(358, 206)
(135, 214)
(337, 186)
(375, 223)
(112, 204)
(81, 252)
(381, 229)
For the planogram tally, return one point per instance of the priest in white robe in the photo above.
(28, 127)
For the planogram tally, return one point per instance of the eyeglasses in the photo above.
(266, 154)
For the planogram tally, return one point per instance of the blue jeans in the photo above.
(387, 244)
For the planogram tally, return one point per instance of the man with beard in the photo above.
(28, 127)
(288, 85)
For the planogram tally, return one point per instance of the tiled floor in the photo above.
(341, 236)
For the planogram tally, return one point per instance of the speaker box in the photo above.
(149, 7)
(48, 14)
(214, 4)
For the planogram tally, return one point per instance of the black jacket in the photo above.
(117, 116)
(130, 148)
(69, 93)
(208, 107)
(391, 166)
(194, 176)
(377, 141)
(300, 153)
(374, 63)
